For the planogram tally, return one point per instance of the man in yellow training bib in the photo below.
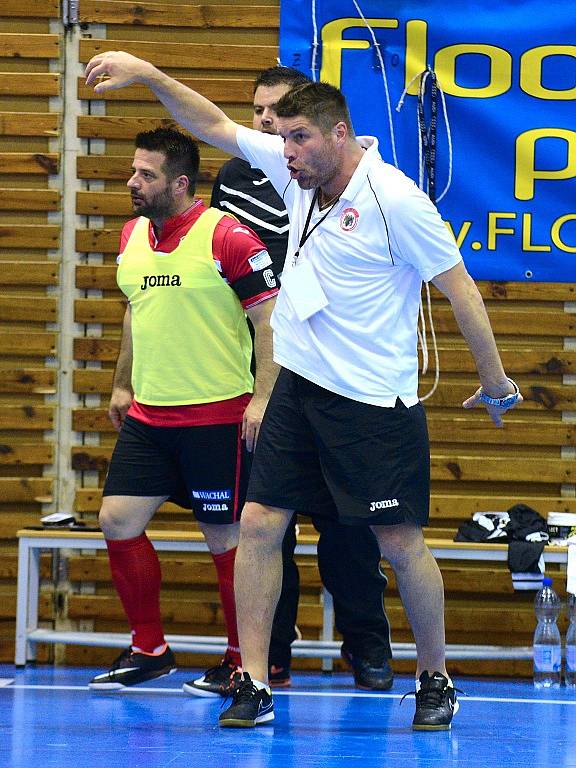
(184, 399)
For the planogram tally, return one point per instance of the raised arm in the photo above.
(472, 318)
(199, 115)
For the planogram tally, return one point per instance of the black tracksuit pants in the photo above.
(349, 564)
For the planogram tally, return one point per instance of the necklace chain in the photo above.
(325, 203)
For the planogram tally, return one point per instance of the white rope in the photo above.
(424, 75)
(382, 69)
(422, 337)
(384, 81)
(405, 91)
(434, 347)
(314, 41)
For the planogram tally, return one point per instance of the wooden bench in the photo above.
(29, 634)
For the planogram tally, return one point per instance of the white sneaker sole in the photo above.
(194, 690)
(112, 686)
(237, 723)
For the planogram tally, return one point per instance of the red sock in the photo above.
(136, 574)
(224, 563)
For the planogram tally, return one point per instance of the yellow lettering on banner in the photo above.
(531, 72)
(500, 70)
(460, 236)
(555, 233)
(527, 173)
(494, 230)
(416, 53)
(333, 44)
(527, 245)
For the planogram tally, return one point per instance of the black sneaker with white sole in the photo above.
(250, 706)
(132, 668)
(221, 680)
(436, 703)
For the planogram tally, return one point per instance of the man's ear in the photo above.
(181, 184)
(340, 131)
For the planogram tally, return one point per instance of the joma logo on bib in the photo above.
(154, 281)
(384, 504)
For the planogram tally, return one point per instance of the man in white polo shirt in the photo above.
(344, 423)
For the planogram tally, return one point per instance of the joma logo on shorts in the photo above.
(384, 504)
(152, 281)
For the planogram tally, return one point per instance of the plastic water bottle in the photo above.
(547, 643)
(571, 643)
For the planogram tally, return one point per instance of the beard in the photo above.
(160, 206)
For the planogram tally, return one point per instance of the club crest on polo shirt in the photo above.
(349, 219)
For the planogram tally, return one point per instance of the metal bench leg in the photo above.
(327, 627)
(26, 601)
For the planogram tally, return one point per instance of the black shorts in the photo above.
(327, 455)
(205, 469)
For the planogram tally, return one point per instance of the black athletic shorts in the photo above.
(205, 469)
(327, 455)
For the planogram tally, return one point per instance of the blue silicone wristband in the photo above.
(502, 402)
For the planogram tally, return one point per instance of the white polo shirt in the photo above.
(370, 255)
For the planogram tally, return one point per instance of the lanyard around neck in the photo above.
(305, 233)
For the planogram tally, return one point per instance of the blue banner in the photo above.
(505, 166)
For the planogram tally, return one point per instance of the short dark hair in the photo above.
(280, 76)
(321, 103)
(181, 153)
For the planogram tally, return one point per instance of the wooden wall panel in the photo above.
(30, 205)
(217, 49)
(200, 56)
(33, 309)
(26, 417)
(234, 90)
(29, 46)
(29, 84)
(29, 200)
(28, 163)
(29, 272)
(190, 16)
(26, 237)
(44, 9)
(43, 125)
(27, 344)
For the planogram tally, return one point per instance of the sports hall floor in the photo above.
(48, 717)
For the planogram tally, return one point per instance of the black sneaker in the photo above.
(132, 668)
(436, 703)
(250, 706)
(279, 677)
(221, 680)
(370, 673)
